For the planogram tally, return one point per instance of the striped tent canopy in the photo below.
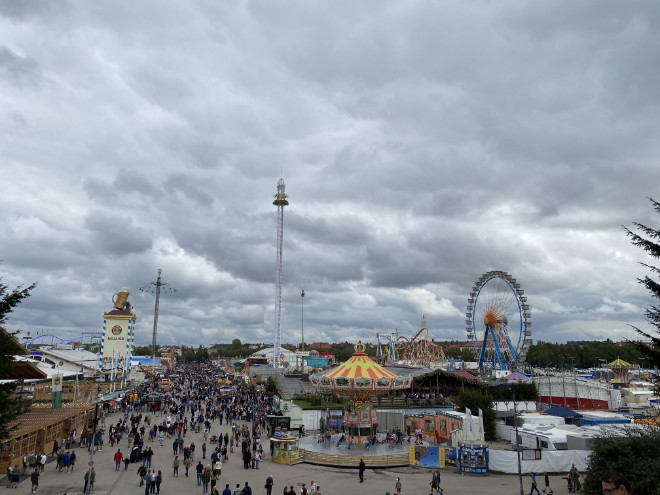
(360, 372)
(619, 363)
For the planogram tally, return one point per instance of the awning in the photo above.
(516, 376)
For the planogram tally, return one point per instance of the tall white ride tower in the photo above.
(280, 202)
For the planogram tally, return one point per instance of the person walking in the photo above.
(187, 462)
(534, 487)
(153, 481)
(34, 478)
(547, 488)
(227, 490)
(397, 486)
(175, 467)
(15, 477)
(200, 470)
(142, 472)
(434, 483)
(269, 485)
(361, 467)
(159, 480)
(575, 476)
(214, 480)
(89, 479)
(206, 479)
(147, 483)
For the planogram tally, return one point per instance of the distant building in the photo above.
(319, 345)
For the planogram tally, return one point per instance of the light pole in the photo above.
(302, 318)
(91, 447)
(600, 366)
(515, 426)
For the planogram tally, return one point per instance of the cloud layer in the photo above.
(422, 145)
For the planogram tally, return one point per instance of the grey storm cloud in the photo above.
(422, 145)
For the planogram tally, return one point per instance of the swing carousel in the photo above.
(360, 380)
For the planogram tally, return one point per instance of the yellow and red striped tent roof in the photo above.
(360, 365)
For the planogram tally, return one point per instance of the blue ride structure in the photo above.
(498, 322)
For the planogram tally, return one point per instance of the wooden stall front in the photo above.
(42, 392)
(36, 431)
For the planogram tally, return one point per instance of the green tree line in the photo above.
(584, 354)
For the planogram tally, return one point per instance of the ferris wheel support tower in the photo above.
(280, 202)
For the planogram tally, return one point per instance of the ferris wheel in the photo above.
(498, 321)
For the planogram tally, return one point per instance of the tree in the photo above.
(647, 240)
(145, 350)
(476, 400)
(636, 455)
(9, 408)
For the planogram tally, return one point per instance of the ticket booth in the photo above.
(473, 459)
(285, 449)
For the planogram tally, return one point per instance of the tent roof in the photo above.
(516, 375)
(619, 363)
(360, 365)
(562, 412)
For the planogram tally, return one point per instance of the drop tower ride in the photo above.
(280, 202)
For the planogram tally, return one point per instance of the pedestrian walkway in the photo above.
(330, 479)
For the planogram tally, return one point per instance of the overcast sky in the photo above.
(422, 144)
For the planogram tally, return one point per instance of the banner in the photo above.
(430, 456)
(56, 388)
(468, 418)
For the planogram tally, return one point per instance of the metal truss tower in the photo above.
(280, 202)
(156, 288)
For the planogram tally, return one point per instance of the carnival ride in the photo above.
(416, 350)
(361, 380)
(26, 343)
(498, 321)
(280, 202)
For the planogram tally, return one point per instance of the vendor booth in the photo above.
(276, 423)
(285, 449)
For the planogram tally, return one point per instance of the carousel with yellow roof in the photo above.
(620, 369)
(360, 379)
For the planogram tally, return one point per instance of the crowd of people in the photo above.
(194, 402)
(228, 425)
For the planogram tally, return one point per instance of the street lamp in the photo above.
(515, 425)
(302, 318)
(91, 447)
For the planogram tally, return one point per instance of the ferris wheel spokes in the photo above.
(498, 299)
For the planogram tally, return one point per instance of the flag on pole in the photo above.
(56, 388)
(468, 418)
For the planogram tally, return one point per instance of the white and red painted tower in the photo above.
(280, 202)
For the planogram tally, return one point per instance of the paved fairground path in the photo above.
(332, 481)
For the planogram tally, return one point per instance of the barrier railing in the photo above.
(353, 460)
